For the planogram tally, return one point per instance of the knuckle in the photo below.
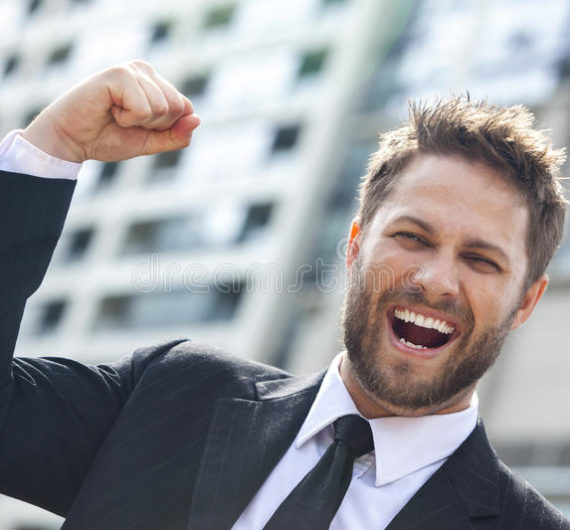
(160, 109)
(141, 65)
(120, 70)
(177, 107)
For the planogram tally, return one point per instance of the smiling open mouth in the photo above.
(419, 331)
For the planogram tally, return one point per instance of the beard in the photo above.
(397, 382)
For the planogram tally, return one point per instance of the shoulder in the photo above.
(191, 363)
(523, 507)
(493, 495)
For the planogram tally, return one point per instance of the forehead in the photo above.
(461, 198)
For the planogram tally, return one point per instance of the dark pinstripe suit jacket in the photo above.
(180, 436)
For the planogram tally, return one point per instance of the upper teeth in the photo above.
(426, 322)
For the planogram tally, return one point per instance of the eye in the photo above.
(411, 240)
(481, 263)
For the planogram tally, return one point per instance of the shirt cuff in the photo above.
(17, 155)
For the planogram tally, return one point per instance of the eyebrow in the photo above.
(420, 222)
(474, 243)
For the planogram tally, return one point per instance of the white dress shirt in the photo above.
(20, 156)
(407, 451)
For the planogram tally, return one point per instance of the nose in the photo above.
(437, 278)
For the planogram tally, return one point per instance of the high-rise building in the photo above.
(238, 240)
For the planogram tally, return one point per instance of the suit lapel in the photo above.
(245, 441)
(466, 487)
(434, 506)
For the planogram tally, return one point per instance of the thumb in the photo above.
(176, 137)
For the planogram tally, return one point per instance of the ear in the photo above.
(353, 247)
(529, 301)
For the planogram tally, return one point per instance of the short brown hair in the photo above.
(501, 137)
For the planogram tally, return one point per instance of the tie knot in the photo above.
(355, 432)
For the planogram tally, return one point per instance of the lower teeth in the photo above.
(412, 345)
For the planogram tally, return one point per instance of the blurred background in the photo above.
(239, 240)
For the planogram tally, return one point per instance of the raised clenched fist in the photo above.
(122, 112)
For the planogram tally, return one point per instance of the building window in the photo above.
(286, 138)
(78, 244)
(195, 85)
(113, 312)
(219, 17)
(60, 55)
(520, 454)
(142, 237)
(520, 41)
(108, 174)
(164, 235)
(33, 526)
(31, 115)
(164, 166)
(161, 31)
(167, 235)
(312, 62)
(11, 65)
(534, 453)
(220, 226)
(207, 304)
(34, 6)
(51, 316)
(256, 222)
(565, 455)
(564, 67)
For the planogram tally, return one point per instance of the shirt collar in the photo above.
(401, 445)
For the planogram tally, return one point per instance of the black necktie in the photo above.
(315, 500)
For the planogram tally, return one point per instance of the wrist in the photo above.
(44, 135)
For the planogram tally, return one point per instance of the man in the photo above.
(460, 214)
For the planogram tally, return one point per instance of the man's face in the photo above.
(436, 285)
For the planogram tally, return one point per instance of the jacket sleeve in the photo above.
(54, 413)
